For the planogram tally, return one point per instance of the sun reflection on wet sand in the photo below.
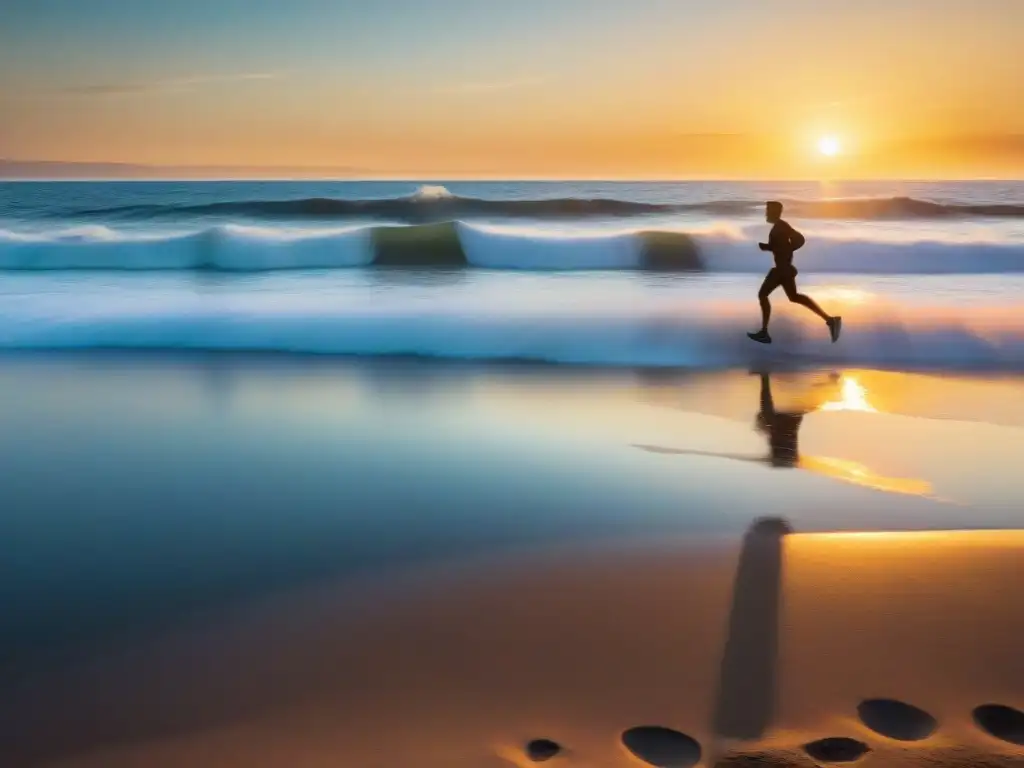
(858, 474)
(781, 426)
(853, 396)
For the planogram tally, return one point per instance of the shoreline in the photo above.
(512, 365)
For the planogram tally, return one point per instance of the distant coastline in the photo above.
(56, 170)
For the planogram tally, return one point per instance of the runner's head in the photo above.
(773, 211)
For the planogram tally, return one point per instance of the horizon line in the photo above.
(510, 178)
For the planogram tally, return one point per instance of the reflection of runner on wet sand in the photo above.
(782, 429)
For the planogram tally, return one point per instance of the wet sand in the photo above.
(268, 562)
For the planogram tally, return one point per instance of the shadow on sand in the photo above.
(745, 700)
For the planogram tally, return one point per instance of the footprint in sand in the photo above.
(1002, 722)
(662, 747)
(837, 749)
(541, 750)
(896, 719)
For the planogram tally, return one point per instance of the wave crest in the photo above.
(461, 245)
(430, 192)
(431, 203)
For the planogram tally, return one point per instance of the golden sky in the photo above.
(539, 88)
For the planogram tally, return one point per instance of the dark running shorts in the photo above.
(780, 276)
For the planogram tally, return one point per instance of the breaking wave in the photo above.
(457, 245)
(662, 331)
(435, 203)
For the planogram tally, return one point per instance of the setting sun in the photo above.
(828, 146)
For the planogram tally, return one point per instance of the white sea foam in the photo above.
(501, 249)
(230, 247)
(245, 248)
(512, 320)
(429, 192)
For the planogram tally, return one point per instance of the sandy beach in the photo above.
(269, 561)
(754, 651)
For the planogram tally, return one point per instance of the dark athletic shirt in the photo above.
(782, 430)
(782, 439)
(782, 241)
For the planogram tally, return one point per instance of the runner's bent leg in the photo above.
(803, 299)
(771, 282)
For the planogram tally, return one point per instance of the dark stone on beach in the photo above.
(540, 750)
(837, 749)
(662, 747)
(670, 252)
(1003, 722)
(896, 719)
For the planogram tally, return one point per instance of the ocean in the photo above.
(927, 275)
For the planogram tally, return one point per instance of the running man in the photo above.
(782, 242)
